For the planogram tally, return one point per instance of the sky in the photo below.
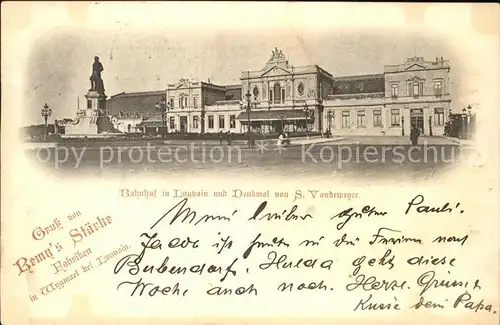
(136, 58)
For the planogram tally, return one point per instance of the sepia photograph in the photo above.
(243, 163)
(341, 102)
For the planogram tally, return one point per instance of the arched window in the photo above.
(277, 93)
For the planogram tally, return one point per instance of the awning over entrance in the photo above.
(276, 115)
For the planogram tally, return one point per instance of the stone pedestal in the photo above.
(93, 120)
(96, 103)
(82, 126)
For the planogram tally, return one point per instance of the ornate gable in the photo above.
(275, 70)
(277, 60)
(415, 67)
(182, 83)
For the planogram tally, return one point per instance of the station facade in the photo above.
(296, 99)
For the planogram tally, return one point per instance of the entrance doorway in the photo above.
(417, 119)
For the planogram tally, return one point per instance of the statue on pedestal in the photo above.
(96, 82)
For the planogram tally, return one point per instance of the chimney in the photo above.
(208, 80)
(442, 59)
(437, 59)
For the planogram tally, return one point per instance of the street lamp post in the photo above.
(248, 96)
(46, 112)
(430, 126)
(269, 120)
(329, 117)
(464, 123)
(306, 112)
(402, 125)
(162, 107)
(470, 126)
(248, 109)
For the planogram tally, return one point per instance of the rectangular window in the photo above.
(195, 102)
(416, 87)
(438, 88)
(361, 119)
(232, 121)
(270, 96)
(395, 117)
(172, 102)
(185, 102)
(394, 90)
(210, 121)
(332, 119)
(196, 122)
(377, 117)
(172, 123)
(181, 103)
(282, 95)
(89, 103)
(346, 119)
(221, 121)
(438, 116)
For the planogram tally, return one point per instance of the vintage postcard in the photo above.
(249, 163)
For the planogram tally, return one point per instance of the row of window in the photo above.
(182, 102)
(377, 118)
(210, 118)
(416, 88)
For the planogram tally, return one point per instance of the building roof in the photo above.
(134, 102)
(233, 93)
(238, 86)
(139, 94)
(372, 83)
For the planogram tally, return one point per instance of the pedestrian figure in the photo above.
(221, 137)
(229, 138)
(414, 134)
(279, 143)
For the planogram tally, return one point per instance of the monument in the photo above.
(94, 119)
